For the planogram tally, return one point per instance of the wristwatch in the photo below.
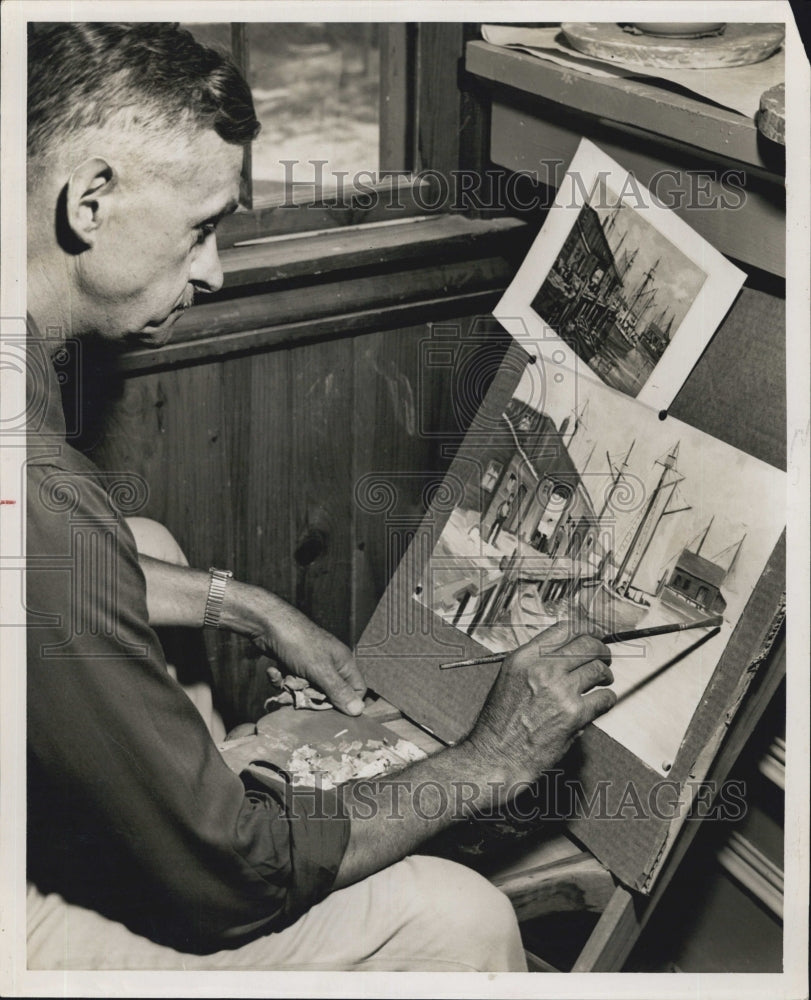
(216, 595)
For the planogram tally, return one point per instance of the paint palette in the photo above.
(323, 748)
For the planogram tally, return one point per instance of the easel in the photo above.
(624, 887)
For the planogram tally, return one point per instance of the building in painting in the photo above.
(582, 294)
(697, 581)
(526, 472)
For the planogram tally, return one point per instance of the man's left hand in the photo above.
(308, 651)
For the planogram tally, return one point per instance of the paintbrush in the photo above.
(639, 633)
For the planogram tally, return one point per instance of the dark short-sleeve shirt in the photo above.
(131, 809)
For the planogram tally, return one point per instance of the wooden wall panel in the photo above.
(258, 428)
(261, 463)
(393, 456)
(320, 500)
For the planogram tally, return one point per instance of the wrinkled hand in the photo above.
(307, 651)
(541, 699)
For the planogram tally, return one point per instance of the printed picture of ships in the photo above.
(618, 290)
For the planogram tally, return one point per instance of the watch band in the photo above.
(216, 595)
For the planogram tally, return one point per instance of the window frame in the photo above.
(419, 136)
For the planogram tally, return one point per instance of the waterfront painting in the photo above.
(583, 504)
(618, 284)
(618, 291)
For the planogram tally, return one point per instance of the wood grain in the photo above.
(574, 884)
(609, 942)
(345, 250)
(390, 318)
(396, 96)
(375, 203)
(322, 393)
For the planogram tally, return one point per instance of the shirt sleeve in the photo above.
(131, 808)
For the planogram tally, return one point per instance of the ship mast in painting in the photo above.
(649, 523)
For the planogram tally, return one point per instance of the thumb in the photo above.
(343, 697)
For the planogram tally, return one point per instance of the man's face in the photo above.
(156, 245)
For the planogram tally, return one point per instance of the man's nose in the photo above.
(206, 270)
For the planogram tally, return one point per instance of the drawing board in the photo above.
(569, 497)
(583, 503)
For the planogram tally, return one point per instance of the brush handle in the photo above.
(493, 658)
(639, 633)
(644, 633)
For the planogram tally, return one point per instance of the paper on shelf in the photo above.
(738, 88)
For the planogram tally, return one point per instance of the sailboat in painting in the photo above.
(535, 544)
(614, 602)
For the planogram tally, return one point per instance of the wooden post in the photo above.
(451, 119)
(396, 97)
(241, 55)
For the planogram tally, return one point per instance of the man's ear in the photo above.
(88, 186)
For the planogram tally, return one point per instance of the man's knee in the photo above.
(155, 540)
(475, 919)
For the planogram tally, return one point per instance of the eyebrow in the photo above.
(227, 209)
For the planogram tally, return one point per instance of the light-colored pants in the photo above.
(422, 913)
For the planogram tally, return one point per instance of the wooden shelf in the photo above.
(277, 259)
(705, 162)
(645, 106)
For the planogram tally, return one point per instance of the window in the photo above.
(490, 477)
(318, 90)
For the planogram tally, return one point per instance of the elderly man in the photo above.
(145, 849)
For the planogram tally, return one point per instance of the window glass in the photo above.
(316, 91)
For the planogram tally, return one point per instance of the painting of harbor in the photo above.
(583, 505)
(618, 290)
(618, 285)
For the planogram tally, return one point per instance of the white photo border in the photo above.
(792, 982)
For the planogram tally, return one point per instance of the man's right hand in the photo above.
(546, 692)
(542, 697)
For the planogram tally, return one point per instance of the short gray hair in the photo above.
(154, 75)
